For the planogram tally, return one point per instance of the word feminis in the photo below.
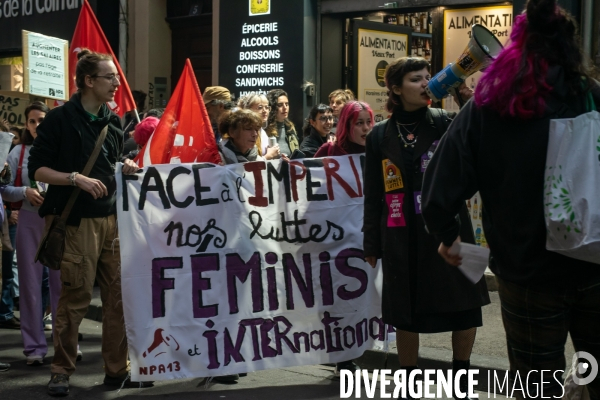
(236, 269)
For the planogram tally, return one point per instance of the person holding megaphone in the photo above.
(421, 293)
(499, 145)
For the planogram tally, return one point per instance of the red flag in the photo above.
(88, 34)
(184, 133)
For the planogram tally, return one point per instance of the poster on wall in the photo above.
(46, 66)
(457, 33)
(375, 46)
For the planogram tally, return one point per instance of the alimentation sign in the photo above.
(261, 47)
(375, 47)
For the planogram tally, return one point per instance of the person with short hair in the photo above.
(497, 145)
(217, 100)
(337, 100)
(65, 141)
(317, 129)
(258, 103)
(241, 133)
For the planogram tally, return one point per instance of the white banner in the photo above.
(46, 67)
(245, 267)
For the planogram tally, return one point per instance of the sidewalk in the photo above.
(489, 351)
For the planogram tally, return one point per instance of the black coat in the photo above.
(505, 160)
(437, 286)
(65, 140)
(312, 143)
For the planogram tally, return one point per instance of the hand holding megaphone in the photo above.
(479, 53)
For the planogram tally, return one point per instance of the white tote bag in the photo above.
(572, 187)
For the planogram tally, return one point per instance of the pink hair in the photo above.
(348, 118)
(515, 83)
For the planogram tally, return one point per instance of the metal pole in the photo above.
(123, 35)
(587, 28)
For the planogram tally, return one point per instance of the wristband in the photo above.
(72, 178)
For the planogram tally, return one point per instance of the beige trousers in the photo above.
(91, 252)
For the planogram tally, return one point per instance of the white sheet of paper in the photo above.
(5, 142)
(474, 260)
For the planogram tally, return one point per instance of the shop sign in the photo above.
(261, 48)
(46, 65)
(50, 17)
(457, 33)
(376, 46)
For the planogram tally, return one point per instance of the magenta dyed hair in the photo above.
(521, 94)
(348, 117)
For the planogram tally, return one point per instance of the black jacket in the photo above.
(504, 159)
(415, 277)
(65, 141)
(312, 143)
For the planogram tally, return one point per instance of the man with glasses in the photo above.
(217, 100)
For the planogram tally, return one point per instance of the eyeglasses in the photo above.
(111, 77)
(326, 118)
(261, 108)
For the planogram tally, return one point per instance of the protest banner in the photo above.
(229, 269)
(12, 107)
(45, 65)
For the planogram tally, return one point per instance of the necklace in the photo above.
(411, 138)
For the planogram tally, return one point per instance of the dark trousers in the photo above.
(537, 321)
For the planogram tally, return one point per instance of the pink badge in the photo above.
(395, 213)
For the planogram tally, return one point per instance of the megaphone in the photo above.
(479, 53)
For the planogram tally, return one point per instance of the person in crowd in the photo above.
(130, 121)
(155, 112)
(355, 123)
(17, 138)
(421, 293)
(279, 125)
(239, 142)
(497, 146)
(30, 228)
(258, 103)
(240, 130)
(142, 134)
(132, 147)
(337, 99)
(217, 100)
(317, 129)
(9, 255)
(7, 316)
(64, 143)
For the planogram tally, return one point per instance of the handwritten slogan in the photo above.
(245, 267)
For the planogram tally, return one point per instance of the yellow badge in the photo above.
(258, 7)
(391, 176)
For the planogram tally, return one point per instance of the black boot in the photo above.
(408, 396)
(463, 384)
